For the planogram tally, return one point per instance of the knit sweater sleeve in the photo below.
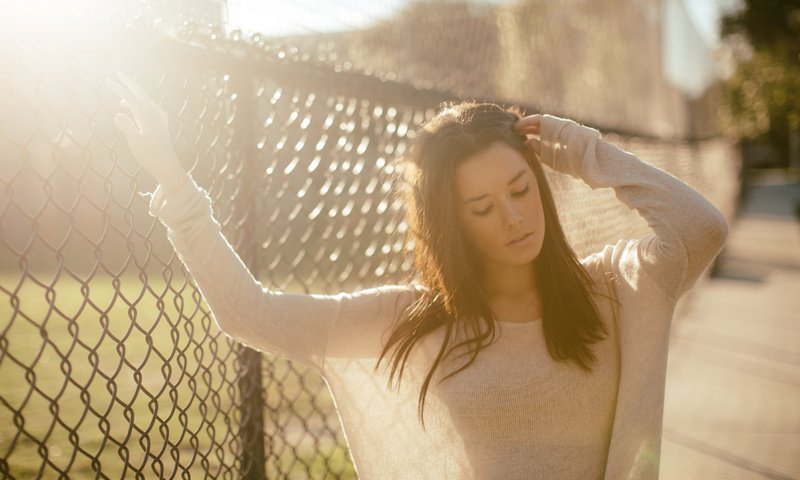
(295, 326)
(688, 231)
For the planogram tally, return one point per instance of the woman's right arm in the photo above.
(301, 327)
(295, 326)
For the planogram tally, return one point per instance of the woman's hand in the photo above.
(530, 126)
(148, 134)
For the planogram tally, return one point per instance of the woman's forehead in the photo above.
(493, 168)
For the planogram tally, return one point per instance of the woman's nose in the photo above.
(511, 216)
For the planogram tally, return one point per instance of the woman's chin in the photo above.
(518, 261)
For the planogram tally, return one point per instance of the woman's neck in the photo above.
(508, 283)
(512, 292)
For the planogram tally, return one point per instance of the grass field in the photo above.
(109, 378)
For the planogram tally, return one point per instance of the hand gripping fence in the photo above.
(110, 363)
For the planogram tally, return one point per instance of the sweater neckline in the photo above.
(530, 322)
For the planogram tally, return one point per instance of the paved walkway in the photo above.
(732, 406)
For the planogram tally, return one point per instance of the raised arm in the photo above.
(688, 231)
(296, 326)
(291, 325)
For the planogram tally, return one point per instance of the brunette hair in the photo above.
(447, 264)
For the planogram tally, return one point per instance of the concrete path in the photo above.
(732, 408)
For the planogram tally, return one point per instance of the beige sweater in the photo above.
(515, 413)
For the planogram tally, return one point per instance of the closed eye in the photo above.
(521, 193)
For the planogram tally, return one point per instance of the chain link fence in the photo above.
(110, 363)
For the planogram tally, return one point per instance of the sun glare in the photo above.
(43, 22)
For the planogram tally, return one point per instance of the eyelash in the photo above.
(521, 193)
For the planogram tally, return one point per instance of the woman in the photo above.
(510, 358)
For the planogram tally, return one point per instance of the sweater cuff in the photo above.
(564, 142)
(176, 207)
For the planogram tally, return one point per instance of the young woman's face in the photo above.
(499, 204)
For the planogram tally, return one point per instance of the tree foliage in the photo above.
(762, 98)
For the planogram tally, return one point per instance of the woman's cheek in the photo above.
(482, 235)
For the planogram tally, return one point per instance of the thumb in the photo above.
(535, 144)
(126, 124)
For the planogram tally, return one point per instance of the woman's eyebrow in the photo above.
(513, 179)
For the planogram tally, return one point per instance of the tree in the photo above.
(762, 101)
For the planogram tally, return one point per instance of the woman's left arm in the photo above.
(689, 232)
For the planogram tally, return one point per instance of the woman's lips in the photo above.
(521, 240)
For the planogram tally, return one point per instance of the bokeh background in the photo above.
(292, 115)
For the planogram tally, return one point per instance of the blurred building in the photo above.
(637, 66)
(176, 12)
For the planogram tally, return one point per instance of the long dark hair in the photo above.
(447, 265)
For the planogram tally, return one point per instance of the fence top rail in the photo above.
(208, 47)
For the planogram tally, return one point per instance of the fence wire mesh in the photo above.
(111, 364)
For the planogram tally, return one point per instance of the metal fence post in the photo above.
(250, 384)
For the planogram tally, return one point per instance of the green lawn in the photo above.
(116, 368)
